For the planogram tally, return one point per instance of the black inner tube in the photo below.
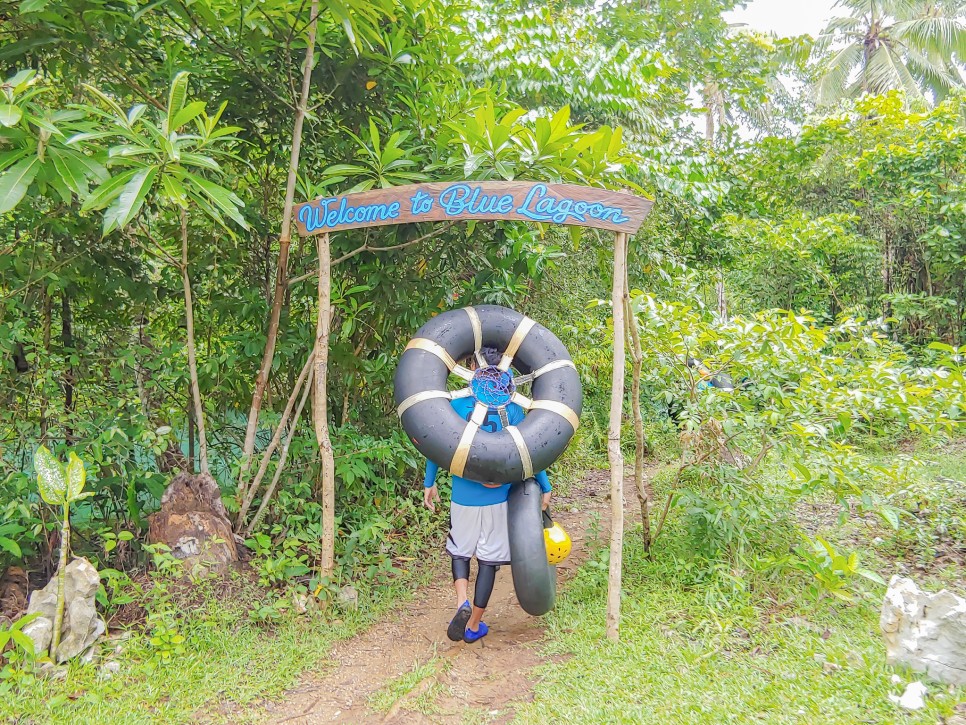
(438, 431)
(534, 579)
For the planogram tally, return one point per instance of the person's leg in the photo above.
(492, 551)
(485, 578)
(461, 579)
(461, 545)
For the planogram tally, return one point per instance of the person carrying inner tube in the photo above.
(478, 520)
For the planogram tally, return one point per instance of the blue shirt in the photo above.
(472, 493)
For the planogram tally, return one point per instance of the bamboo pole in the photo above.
(614, 442)
(320, 411)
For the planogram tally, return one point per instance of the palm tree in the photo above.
(917, 46)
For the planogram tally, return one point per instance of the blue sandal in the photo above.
(457, 625)
(473, 635)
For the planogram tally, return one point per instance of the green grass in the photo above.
(402, 686)
(722, 643)
(229, 664)
(726, 642)
(771, 655)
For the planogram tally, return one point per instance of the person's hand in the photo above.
(430, 497)
(546, 500)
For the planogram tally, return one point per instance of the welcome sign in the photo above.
(566, 204)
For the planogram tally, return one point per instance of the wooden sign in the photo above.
(526, 201)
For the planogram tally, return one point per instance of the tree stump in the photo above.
(193, 522)
(13, 594)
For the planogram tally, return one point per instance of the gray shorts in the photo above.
(479, 531)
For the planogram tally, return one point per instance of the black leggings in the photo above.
(485, 578)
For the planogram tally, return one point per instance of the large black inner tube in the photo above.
(461, 447)
(534, 579)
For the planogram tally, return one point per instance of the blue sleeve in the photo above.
(431, 470)
(544, 482)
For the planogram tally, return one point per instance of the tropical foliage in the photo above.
(156, 315)
(878, 46)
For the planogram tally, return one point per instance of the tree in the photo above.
(917, 46)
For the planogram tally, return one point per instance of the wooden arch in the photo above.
(451, 201)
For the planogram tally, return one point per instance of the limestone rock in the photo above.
(82, 625)
(193, 522)
(914, 697)
(924, 631)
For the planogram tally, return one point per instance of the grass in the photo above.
(229, 663)
(769, 655)
(744, 642)
(403, 686)
(702, 642)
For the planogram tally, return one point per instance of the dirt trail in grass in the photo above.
(445, 681)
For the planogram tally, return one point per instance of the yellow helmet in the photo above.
(558, 543)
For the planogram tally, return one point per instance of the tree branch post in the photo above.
(614, 455)
(320, 413)
(284, 242)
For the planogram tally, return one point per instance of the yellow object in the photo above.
(558, 543)
(370, 85)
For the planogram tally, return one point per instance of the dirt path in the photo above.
(407, 671)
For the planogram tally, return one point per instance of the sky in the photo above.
(785, 17)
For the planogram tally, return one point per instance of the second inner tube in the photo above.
(534, 579)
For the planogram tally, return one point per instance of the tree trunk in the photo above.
(140, 372)
(320, 405)
(191, 440)
(722, 299)
(192, 358)
(284, 242)
(67, 341)
(614, 456)
(714, 103)
(641, 448)
(44, 401)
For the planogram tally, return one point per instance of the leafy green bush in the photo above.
(379, 515)
(803, 397)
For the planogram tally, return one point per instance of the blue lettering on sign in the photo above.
(465, 199)
(333, 212)
(540, 207)
(460, 199)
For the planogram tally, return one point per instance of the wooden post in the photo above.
(320, 413)
(614, 443)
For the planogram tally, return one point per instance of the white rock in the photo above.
(914, 698)
(924, 631)
(349, 596)
(109, 669)
(40, 631)
(82, 625)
